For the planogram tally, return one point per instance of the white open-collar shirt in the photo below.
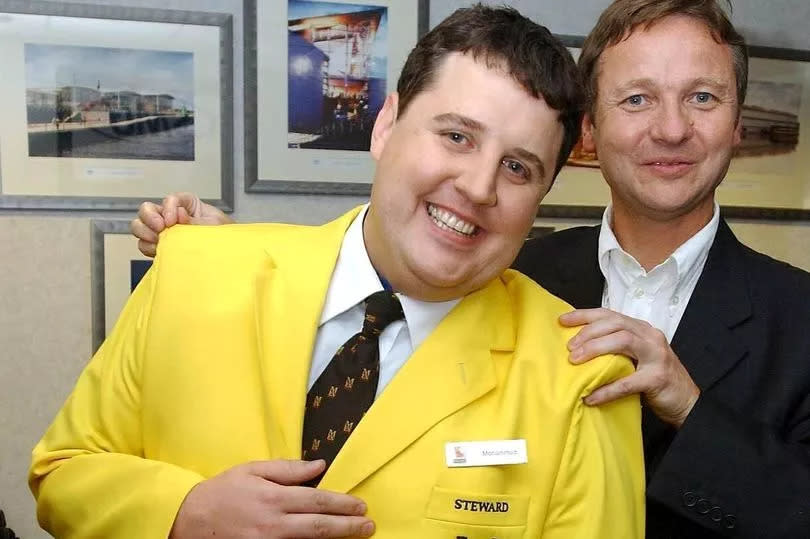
(660, 295)
(353, 280)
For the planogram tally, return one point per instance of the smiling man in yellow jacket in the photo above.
(191, 418)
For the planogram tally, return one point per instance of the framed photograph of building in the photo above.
(107, 106)
(316, 74)
(116, 269)
(769, 176)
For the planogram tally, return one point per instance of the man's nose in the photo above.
(479, 184)
(673, 124)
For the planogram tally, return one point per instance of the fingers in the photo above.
(187, 201)
(307, 526)
(579, 317)
(148, 249)
(629, 385)
(312, 500)
(613, 342)
(150, 216)
(286, 472)
(142, 231)
(183, 217)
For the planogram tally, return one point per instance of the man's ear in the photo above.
(384, 125)
(738, 131)
(587, 134)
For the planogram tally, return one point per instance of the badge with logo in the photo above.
(459, 457)
(485, 453)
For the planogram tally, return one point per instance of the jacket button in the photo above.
(716, 514)
(703, 506)
(689, 499)
(730, 521)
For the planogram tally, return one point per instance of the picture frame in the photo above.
(312, 140)
(115, 105)
(116, 267)
(769, 177)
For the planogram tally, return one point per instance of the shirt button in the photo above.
(638, 293)
(675, 300)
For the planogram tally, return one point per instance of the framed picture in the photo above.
(769, 176)
(116, 269)
(107, 106)
(316, 74)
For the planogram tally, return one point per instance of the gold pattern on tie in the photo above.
(349, 382)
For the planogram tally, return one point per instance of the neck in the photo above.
(651, 241)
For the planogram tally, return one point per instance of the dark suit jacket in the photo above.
(740, 464)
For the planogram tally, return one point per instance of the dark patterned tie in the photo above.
(346, 388)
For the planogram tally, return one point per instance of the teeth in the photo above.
(448, 221)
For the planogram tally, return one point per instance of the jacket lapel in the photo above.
(290, 292)
(452, 368)
(704, 340)
(581, 279)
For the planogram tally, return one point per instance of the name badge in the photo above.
(485, 453)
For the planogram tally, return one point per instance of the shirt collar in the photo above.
(685, 257)
(354, 279)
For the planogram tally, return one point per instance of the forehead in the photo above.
(484, 91)
(676, 49)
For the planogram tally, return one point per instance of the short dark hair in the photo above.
(501, 36)
(622, 17)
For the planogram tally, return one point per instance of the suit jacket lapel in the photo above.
(290, 293)
(451, 369)
(704, 340)
(581, 279)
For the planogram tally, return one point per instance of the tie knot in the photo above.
(382, 308)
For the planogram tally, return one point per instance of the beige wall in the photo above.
(45, 312)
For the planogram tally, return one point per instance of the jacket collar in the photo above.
(290, 292)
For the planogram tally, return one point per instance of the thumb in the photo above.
(287, 472)
(190, 202)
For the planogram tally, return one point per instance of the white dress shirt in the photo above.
(353, 280)
(660, 295)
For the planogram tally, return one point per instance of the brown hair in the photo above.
(501, 36)
(622, 17)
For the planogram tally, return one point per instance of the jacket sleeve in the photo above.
(599, 490)
(700, 479)
(88, 473)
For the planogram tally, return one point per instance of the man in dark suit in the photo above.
(726, 417)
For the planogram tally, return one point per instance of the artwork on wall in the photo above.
(316, 75)
(769, 176)
(116, 269)
(107, 106)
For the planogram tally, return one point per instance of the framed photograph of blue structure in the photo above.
(116, 269)
(106, 106)
(316, 75)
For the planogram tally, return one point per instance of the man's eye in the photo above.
(515, 167)
(635, 100)
(703, 98)
(458, 138)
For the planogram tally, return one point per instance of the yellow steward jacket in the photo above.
(207, 368)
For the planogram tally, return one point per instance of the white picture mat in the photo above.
(60, 176)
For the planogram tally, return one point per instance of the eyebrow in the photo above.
(474, 125)
(716, 84)
(458, 119)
